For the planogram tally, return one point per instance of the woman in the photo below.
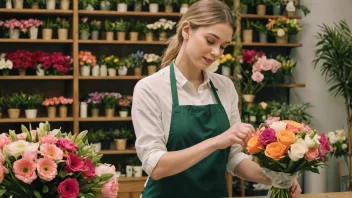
(186, 120)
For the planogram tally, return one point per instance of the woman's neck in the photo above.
(190, 71)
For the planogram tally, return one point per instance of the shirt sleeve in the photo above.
(147, 123)
(236, 155)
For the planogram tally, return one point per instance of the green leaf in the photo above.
(45, 189)
(37, 194)
(105, 177)
(13, 135)
(89, 195)
(24, 129)
(62, 174)
(2, 192)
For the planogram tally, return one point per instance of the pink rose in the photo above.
(68, 188)
(4, 140)
(49, 139)
(312, 154)
(271, 120)
(104, 169)
(88, 170)
(67, 145)
(275, 65)
(2, 175)
(257, 77)
(73, 163)
(265, 64)
(256, 67)
(21, 136)
(324, 147)
(110, 188)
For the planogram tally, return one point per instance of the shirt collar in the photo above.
(182, 80)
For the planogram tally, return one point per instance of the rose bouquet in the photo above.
(21, 59)
(286, 148)
(86, 58)
(50, 163)
(56, 63)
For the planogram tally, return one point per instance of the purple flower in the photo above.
(267, 136)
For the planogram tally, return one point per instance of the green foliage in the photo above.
(121, 26)
(125, 61)
(31, 101)
(109, 102)
(296, 112)
(95, 137)
(13, 102)
(260, 27)
(125, 133)
(62, 23)
(247, 25)
(48, 24)
(2, 104)
(84, 3)
(136, 26)
(109, 26)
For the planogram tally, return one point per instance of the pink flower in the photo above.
(104, 169)
(2, 174)
(275, 65)
(47, 169)
(256, 67)
(24, 170)
(257, 77)
(32, 155)
(110, 188)
(4, 140)
(69, 188)
(49, 139)
(271, 120)
(33, 134)
(324, 147)
(21, 136)
(265, 64)
(267, 136)
(312, 154)
(2, 158)
(305, 128)
(67, 145)
(51, 151)
(88, 170)
(73, 163)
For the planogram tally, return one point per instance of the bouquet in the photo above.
(51, 163)
(21, 59)
(56, 63)
(65, 101)
(110, 100)
(95, 99)
(286, 148)
(86, 58)
(282, 26)
(125, 103)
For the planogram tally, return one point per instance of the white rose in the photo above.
(344, 146)
(298, 150)
(162, 20)
(332, 138)
(16, 148)
(150, 26)
(278, 126)
(280, 32)
(312, 143)
(8, 64)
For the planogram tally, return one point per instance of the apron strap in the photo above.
(215, 92)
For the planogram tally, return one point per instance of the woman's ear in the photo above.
(186, 30)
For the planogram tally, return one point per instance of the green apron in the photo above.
(191, 125)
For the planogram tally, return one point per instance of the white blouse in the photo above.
(152, 106)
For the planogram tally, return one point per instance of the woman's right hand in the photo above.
(239, 133)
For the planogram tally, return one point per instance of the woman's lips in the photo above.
(209, 61)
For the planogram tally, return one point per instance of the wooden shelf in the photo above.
(52, 41)
(129, 13)
(117, 152)
(36, 12)
(104, 119)
(255, 16)
(257, 44)
(36, 77)
(42, 119)
(111, 77)
(140, 42)
(125, 179)
(289, 85)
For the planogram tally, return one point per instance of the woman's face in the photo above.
(206, 44)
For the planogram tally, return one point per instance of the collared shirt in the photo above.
(152, 107)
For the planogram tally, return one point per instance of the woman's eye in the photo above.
(210, 41)
(223, 48)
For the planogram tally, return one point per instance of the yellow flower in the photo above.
(228, 56)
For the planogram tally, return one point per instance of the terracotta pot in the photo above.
(62, 34)
(282, 39)
(35, 6)
(247, 36)
(63, 112)
(14, 113)
(109, 36)
(95, 112)
(109, 113)
(134, 36)
(22, 71)
(151, 69)
(261, 9)
(47, 34)
(162, 36)
(137, 71)
(149, 36)
(120, 144)
(121, 36)
(51, 111)
(65, 4)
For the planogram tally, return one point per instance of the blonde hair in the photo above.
(201, 13)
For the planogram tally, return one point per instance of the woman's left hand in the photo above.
(295, 189)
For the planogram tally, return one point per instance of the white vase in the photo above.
(8, 4)
(65, 4)
(123, 114)
(184, 8)
(83, 110)
(84, 35)
(112, 71)
(95, 35)
(129, 171)
(90, 7)
(122, 71)
(122, 7)
(14, 33)
(103, 70)
(85, 70)
(248, 97)
(18, 4)
(31, 113)
(33, 33)
(50, 4)
(137, 171)
(153, 7)
(226, 71)
(40, 71)
(97, 146)
(95, 70)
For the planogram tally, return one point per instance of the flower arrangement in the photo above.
(62, 23)
(287, 65)
(110, 100)
(164, 25)
(284, 149)
(339, 142)
(86, 58)
(95, 25)
(125, 103)
(152, 59)
(55, 63)
(250, 56)
(21, 59)
(32, 23)
(51, 163)
(54, 101)
(111, 61)
(283, 26)
(5, 65)
(84, 25)
(13, 24)
(95, 99)
(137, 58)
(65, 101)
(227, 60)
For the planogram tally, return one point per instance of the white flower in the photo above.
(213, 67)
(298, 150)
(16, 148)
(341, 135)
(54, 132)
(280, 32)
(31, 147)
(344, 146)
(278, 126)
(8, 64)
(332, 138)
(162, 20)
(2, 63)
(2, 55)
(150, 26)
(312, 143)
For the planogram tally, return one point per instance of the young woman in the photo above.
(186, 120)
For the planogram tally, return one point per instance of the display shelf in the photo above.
(40, 119)
(111, 77)
(127, 42)
(52, 41)
(56, 12)
(129, 13)
(125, 179)
(257, 44)
(36, 77)
(104, 119)
(289, 85)
(117, 152)
(255, 16)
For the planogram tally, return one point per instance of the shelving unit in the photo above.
(118, 152)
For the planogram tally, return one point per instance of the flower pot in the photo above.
(149, 36)
(22, 71)
(153, 7)
(138, 71)
(261, 9)
(95, 35)
(84, 35)
(50, 4)
(277, 9)
(292, 39)
(65, 4)
(122, 7)
(162, 36)
(263, 37)
(109, 36)
(14, 33)
(151, 69)
(5, 72)
(51, 111)
(290, 13)
(184, 8)
(120, 144)
(112, 71)
(95, 112)
(103, 70)
(137, 7)
(8, 4)
(83, 110)
(62, 34)
(244, 9)
(18, 4)
(248, 97)
(247, 36)
(226, 71)
(282, 39)
(287, 79)
(35, 6)
(33, 33)
(122, 70)
(109, 113)
(90, 7)
(31, 113)
(14, 113)
(47, 34)
(121, 36)
(105, 5)
(137, 171)
(97, 146)
(123, 114)
(129, 171)
(169, 8)
(40, 70)
(85, 70)
(63, 112)
(134, 36)
(95, 71)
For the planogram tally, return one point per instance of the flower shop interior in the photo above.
(74, 64)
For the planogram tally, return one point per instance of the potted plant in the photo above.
(123, 66)
(103, 70)
(169, 5)
(110, 102)
(121, 140)
(34, 3)
(292, 6)
(137, 5)
(263, 32)
(137, 167)
(33, 25)
(65, 4)
(109, 29)
(154, 5)
(30, 102)
(5, 65)
(164, 27)
(282, 28)
(285, 111)
(95, 138)
(105, 4)
(50, 4)
(149, 31)
(185, 5)
(22, 60)
(95, 26)
(87, 4)
(121, 28)
(94, 100)
(261, 6)
(152, 61)
(125, 104)
(54, 63)
(13, 26)
(247, 32)
(63, 106)
(18, 4)
(137, 60)
(86, 61)
(84, 29)
(112, 63)
(122, 5)
(286, 69)
(277, 9)
(62, 25)
(105, 141)
(227, 62)
(134, 29)
(244, 6)
(13, 104)
(47, 32)
(51, 104)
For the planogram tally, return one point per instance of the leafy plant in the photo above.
(247, 2)
(84, 25)
(297, 112)
(95, 137)
(31, 101)
(262, 2)
(35, 1)
(95, 25)
(48, 24)
(84, 3)
(111, 61)
(125, 133)
(137, 59)
(62, 23)
(109, 102)
(109, 26)
(260, 27)
(121, 26)
(125, 61)
(128, 2)
(136, 26)
(13, 101)
(2, 105)
(247, 25)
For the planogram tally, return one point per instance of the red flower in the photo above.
(68, 188)
(88, 170)
(21, 59)
(67, 145)
(73, 163)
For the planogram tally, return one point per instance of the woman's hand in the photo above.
(239, 133)
(295, 189)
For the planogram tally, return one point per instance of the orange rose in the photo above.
(293, 123)
(275, 150)
(286, 137)
(253, 145)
